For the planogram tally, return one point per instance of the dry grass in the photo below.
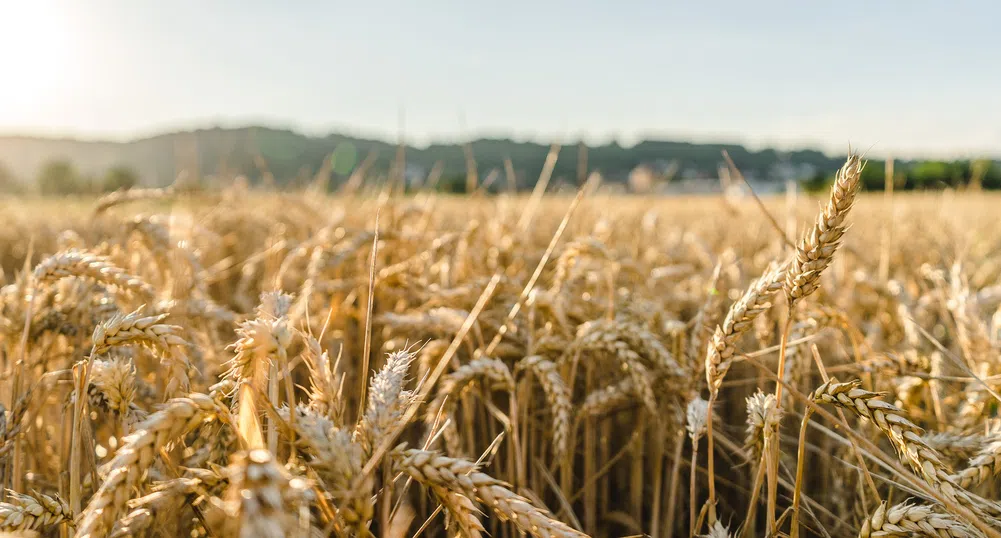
(195, 366)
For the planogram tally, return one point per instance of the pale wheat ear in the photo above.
(912, 519)
(33, 512)
(461, 476)
(84, 264)
(150, 332)
(257, 496)
(387, 399)
(762, 418)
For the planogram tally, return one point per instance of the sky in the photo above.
(907, 78)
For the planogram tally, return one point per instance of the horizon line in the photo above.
(505, 135)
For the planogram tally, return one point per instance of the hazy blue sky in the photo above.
(907, 76)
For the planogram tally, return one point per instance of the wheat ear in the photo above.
(261, 341)
(607, 399)
(904, 435)
(763, 417)
(984, 465)
(80, 263)
(740, 319)
(386, 400)
(113, 389)
(139, 451)
(131, 195)
(256, 497)
(463, 516)
(817, 248)
(492, 371)
(558, 396)
(906, 519)
(33, 511)
(454, 474)
(148, 331)
(717, 530)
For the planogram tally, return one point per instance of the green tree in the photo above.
(59, 177)
(874, 175)
(928, 174)
(992, 176)
(119, 178)
(820, 182)
(454, 184)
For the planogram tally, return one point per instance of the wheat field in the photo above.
(256, 363)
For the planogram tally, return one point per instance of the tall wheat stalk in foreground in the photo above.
(802, 277)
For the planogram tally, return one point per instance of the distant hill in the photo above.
(289, 155)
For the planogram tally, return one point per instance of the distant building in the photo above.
(784, 171)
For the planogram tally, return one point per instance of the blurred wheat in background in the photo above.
(250, 362)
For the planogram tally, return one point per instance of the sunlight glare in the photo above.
(34, 53)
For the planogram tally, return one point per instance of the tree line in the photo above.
(60, 177)
(922, 175)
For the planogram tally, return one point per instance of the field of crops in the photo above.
(262, 364)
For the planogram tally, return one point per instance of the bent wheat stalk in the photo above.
(458, 475)
(137, 455)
